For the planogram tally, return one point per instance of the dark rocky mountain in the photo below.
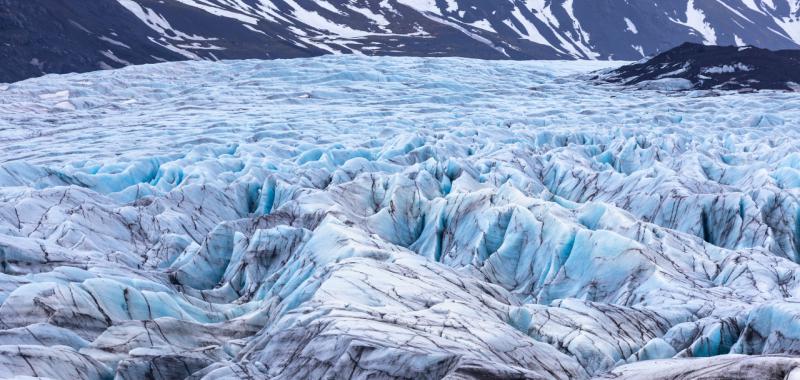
(701, 67)
(57, 36)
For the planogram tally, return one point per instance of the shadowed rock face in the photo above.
(394, 218)
(39, 37)
(694, 66)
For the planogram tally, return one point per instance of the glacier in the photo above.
(395, 218)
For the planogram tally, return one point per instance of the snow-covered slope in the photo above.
(57, 36)
(394, 218)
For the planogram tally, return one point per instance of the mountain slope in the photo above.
(701, 67)
(46, 36)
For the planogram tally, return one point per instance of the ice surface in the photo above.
(395, 218)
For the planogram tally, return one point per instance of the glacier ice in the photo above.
(363, 217)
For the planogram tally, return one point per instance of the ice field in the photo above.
(398, 218)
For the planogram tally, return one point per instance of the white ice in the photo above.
(391, 218)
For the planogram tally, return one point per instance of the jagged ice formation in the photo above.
(346, 217)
